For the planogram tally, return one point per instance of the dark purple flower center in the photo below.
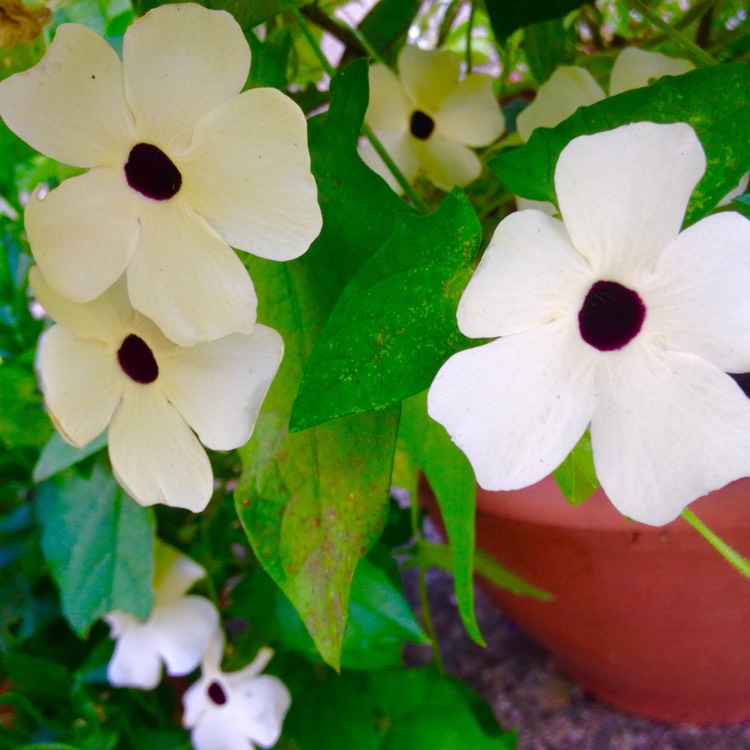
(137, 360)
(611, 316)
(743, 381)
(421, 125)
(151, 172)
(216, 693)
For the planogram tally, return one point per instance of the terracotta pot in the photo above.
(649, 619)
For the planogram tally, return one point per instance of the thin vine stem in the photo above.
(734, 558)
(405, 185)
(699, 55)
(469, 29)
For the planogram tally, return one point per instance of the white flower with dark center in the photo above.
(180, 164)
(613, 319)
(176, 633)
(235, 710)
(106, 365)
(428, 121)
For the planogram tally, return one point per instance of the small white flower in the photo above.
(613, 319)
(428, 120)
(105, 364)
(235, 710)
(177, 632)
(180, 164)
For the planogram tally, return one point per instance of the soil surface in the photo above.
(525, 689)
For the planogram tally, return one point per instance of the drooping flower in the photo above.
(428, 121)
(105, 364)
(176, 633)
(613, 319)
(235, 710)
(180, 164)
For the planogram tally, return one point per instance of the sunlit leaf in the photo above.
(395, 322)
(576, 475)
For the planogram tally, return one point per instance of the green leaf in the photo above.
(270, 58)
(97, 542)
(419, 709)
(249, 13)
(715, 101)
(58, 455)
(380, 619)
(23, 422)
(576, 476)
(313, 503)
(395, 322)
(385, 27)
(452, 480)
(545, 48)
(508, 15)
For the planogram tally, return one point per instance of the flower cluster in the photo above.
(223, 711)
(156, 334)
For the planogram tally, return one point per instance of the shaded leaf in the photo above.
(23, 422)
(452, 480)
(545, 48)
(508, 15)
(715, 101)
(58, 455)
(313, 503)
(395, 322)
(97, 542)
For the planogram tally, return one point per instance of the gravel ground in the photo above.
(528, 692)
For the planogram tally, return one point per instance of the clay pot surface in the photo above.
(652, 620)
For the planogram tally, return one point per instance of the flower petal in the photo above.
(400, 147)
(428, 76)
(447, 163)
(174, 573)
(182, 628)
(701, 295)
(258, 707)
(105, 318)
(219, 386)
(136, 661)
(180, 62)
(248, 173)
(214, 732)
(388, 109)
(81, 382)
(567, 89)
(623, 193)
(529, 275)
(470, 114)
(635, 68)
(89, 222)
(668, 428)
(187, 280)
(517, 406)
(154, 454)
(71, 106)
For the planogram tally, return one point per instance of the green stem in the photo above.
(469, 29)
(699, 56)
(734, 558)
(427, 619)
(414, 197)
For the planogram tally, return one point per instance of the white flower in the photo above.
(613, 319)
(180, 164)
(105, 364)
(235, 710)
(571, 87)
(177, 632)
(428, 119)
